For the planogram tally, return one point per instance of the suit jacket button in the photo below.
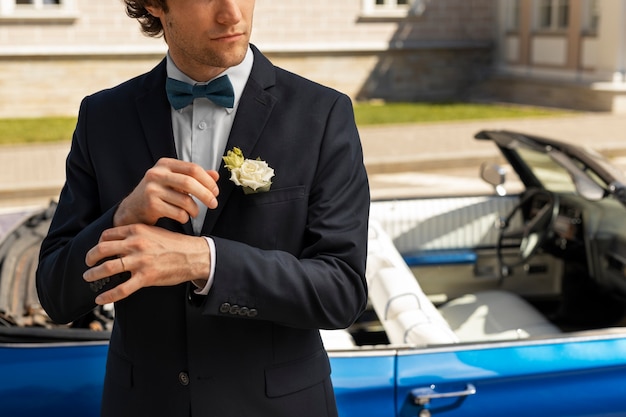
(244, 311)
(253, 312)
(183, 378)
(234, 309)
(225, 308)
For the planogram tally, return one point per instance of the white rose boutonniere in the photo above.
(253, 176)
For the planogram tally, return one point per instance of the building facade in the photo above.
(567, 53)
(54, 52)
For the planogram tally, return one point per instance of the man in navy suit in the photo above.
(222, 272)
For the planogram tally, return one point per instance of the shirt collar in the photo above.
(238, 75)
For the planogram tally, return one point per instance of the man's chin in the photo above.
(233, 56)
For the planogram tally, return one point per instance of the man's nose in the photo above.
(228, 12)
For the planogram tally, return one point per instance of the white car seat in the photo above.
(337, 339)
(406, 313)
(409, 317)
(494, 315)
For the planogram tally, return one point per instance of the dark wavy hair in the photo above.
(150, 25)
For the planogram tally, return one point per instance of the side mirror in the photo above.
(495, 175)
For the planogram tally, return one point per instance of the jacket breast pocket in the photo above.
(271, 220)
(277, 197)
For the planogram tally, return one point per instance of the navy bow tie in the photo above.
(219, 91)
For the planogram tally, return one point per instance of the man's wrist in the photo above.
(204, 285)
(118, 216)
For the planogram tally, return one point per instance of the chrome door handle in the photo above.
(423, 395)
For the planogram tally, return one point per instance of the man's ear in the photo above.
(155, 11)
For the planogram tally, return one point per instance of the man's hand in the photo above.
(153, 256)
(166, 190)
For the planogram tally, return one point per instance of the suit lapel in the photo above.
(255, 108)
(154, 114)
(156, 121)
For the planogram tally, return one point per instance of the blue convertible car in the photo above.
(507, 304)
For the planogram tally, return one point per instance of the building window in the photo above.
(513, 15)
(553, 14)
(392, 8)
(591, 16)
(38, 9)
(37, 3)
(391, 4)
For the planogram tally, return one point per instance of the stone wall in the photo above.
(595, 97)
(36, 86)
(401, 75)
(47, 67)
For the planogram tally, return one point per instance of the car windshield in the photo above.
(607, 166)
(552, 176)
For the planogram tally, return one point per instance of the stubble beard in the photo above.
(220, 56)
(223, 59)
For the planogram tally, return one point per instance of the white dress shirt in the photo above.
(201, 131)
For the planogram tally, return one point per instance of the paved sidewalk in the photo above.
(431, 146)
(33, 174)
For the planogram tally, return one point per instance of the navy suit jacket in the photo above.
(288, 262)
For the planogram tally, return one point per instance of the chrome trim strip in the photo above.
(576, 337)
(35, 345)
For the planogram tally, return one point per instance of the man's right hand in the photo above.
(166, 190)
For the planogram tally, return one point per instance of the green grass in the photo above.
(397, 113)
(36, 130)
(55, 129)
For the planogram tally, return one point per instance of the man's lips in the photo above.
(229, 37)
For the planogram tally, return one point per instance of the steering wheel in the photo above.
(534, 231)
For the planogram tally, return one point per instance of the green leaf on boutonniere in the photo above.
(253, 176)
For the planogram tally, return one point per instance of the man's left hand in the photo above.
(153, 256)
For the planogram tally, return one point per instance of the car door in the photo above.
(579, 375)
(50, 379)
(364, 381)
